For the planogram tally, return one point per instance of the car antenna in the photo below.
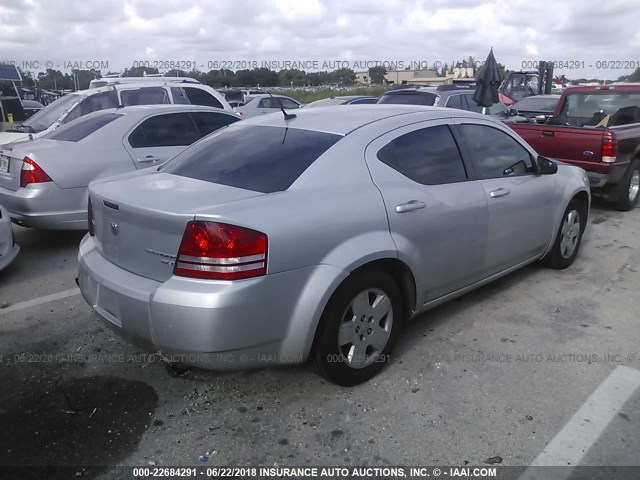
(287, 116)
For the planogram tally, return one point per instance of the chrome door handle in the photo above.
(410, 206)
(501, 192)
(148, 158)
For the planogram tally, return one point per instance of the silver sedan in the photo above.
(277, 239)
(43, 183)
(8, 248)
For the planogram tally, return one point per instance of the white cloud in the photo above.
(122, 31)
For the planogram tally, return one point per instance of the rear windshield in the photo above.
(409, 98)
(615, 107)
(258, 158)
(82, 128)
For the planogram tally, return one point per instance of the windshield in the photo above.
(51, 113)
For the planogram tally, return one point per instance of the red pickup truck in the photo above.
(596, 128)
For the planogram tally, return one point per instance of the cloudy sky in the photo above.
(588, 33)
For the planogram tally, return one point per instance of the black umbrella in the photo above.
(487, 82)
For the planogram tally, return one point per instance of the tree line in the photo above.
(263, 77)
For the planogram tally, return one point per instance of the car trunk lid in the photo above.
(139, 222)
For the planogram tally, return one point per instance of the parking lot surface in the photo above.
(493, 377)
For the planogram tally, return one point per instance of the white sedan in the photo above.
(43, 183)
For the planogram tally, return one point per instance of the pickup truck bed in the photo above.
(598, 129)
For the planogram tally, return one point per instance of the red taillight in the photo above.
(609, 147)
(32, 173)
(90, 217)
(218, 251)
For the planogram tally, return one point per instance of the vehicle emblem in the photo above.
(114, 228)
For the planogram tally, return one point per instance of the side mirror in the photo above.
(546, 166)
(513, 112)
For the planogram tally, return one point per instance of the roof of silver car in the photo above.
(341, 120)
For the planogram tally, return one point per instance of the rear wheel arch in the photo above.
(401, 274)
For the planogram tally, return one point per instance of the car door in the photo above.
(158, 138)
(437, 212)
(520, 200)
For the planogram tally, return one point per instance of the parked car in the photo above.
(274, 240)
(597, 128)
(43, 184)
(76, 104)
(537, 108)
(262, 104)
(8, 248)
(343, 100)
(452, 96)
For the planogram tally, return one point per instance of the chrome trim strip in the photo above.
(218, 269)
(223, 261)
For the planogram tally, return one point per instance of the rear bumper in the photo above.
(46, 206)
(210, 324)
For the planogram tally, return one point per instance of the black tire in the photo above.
(629, 188)
(569, 236)
(358, 361)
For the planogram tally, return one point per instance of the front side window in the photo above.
(495, 153)
(168, 130)
(429, 156)
(198, 96)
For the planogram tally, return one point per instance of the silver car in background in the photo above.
(277, 239)
(43, 183)
(8, 248)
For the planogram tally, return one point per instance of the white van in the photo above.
(76, 104)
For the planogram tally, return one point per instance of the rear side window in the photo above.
(168, 130)
(198, 96)
(410, 98)
(429, 156)
(208, 122)
(258, 158)
(144, 96)
(76, 131)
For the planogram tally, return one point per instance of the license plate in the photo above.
(4, 164)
